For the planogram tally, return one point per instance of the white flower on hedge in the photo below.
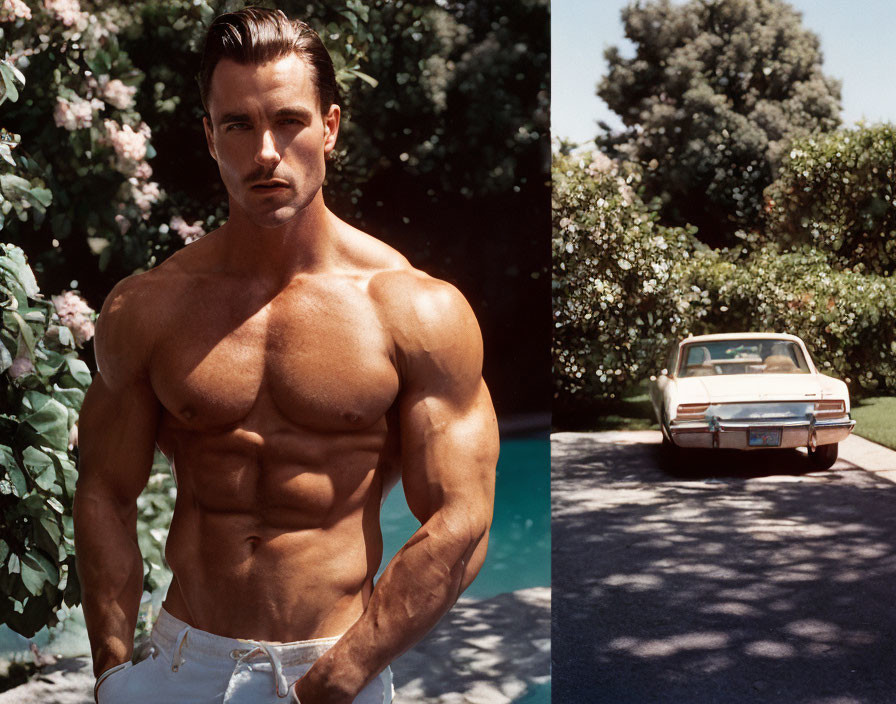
(188, 233)
(77, 113)
(117, 93)
(73, 437)
(20, 367)
(75, 314)
(14, 9)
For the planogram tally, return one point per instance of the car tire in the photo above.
(670, 452)
(823, 456)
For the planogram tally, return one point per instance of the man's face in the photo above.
(268, 136)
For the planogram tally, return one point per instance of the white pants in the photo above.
(187, 665)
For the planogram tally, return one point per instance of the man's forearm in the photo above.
(110, 570)
(416, 589)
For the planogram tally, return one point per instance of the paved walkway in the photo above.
(741, 577)
(869, 456)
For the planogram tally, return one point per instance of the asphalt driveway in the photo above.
(742, 578)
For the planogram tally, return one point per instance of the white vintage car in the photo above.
(750, 391)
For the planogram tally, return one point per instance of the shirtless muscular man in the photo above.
(291, 368)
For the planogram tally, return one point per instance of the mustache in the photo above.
(262, 175)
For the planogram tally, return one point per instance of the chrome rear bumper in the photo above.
(734, 434)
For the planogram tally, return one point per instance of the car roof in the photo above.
(741, 336)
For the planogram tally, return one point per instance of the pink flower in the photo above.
(118, 94)
(75, 314)
(20, 367)
(14, 9)
(143, 171)
(129, 145)
(68, 12)
(75, 114)
(123, 224)
(188, 233)
(145, 194)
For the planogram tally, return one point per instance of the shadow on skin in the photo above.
(679, 589)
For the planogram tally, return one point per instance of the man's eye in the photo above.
(237, 126)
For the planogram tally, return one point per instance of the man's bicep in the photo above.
(449, 453)
(116, 435)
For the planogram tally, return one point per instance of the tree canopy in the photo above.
(711, 100)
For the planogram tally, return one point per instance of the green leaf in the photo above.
(33, 576)
(13, 261)
(51, 423)
(27, 335)
(79, 370)
(6, 154)
(9, 92)
(5, 358)
(363, 76)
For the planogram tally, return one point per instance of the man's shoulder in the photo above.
(132, 316)
(429, 319)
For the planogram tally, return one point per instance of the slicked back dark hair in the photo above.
(256, 35)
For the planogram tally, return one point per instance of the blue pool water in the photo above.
(519, 552)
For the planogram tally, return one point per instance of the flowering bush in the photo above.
(836, 192)
(618, 298)
(42, 382)
(625, 289)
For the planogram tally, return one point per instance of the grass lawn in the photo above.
(632, 412)
(876, 419)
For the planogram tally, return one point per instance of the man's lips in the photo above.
(269, 185)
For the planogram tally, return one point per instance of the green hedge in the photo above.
(625, 289)
(836, 192)
(42, 383)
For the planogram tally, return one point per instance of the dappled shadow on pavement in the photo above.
(749, 582)
(494, 650)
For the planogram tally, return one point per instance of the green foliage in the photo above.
(711, 99)
(847, 319)
(616, 283)
(42, 383)
(836, 192)
(626, 289)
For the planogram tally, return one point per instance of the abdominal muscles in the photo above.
(274, 537)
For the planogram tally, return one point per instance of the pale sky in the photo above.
(857, 43)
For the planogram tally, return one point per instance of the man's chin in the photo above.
(274, 218)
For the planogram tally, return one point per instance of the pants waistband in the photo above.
(170, 633)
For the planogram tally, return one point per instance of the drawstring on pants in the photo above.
(241, 655)
(177, 659)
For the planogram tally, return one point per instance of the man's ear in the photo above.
(331, 128)
(209, 137)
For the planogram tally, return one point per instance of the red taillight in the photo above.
(691, 411)
(830, 408)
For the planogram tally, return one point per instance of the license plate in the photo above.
(765, 437)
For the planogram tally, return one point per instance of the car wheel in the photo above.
(823, 456)
(670, 452)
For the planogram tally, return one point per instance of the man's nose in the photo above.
(267, 154)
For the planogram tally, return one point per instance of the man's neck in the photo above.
(305, 243)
